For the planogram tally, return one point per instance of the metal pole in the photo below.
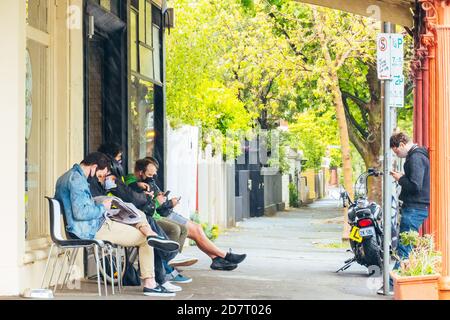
(164, 93)
(387, 180)
(393, 111)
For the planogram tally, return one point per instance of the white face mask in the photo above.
(110, 184)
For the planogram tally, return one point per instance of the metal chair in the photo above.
(56, 211)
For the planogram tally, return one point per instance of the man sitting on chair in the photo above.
(88, 220)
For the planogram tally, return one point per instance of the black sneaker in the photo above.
(222, 264)
(158, 291)
(158, 242)
(235, 258)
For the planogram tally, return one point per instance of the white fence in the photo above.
(182, 159)
(193, 173)
(212, 188)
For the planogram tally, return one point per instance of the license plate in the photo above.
(366, 232)
(354, 235)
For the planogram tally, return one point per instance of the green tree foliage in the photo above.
(197, 93)
(313, 131)
(236, 64)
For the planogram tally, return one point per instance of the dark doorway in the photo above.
(94, 108)
(256, 194)
(249, 181)
(106, 76)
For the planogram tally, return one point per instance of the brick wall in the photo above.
(95, 94)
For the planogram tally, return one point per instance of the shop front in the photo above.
(74, 74)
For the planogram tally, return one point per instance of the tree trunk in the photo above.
(374, 183)
(340, 117)
(368, 141)
(345, 146)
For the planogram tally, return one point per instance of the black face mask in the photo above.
(93, 179)
(117, 167)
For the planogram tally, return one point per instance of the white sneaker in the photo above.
(171, 287)
(182, 261)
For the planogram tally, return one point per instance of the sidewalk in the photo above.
(293, 255)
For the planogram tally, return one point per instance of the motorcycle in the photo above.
(366, 222)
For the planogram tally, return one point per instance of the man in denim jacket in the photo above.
(87, 220)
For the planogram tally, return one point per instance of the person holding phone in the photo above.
(221, 260)
(415, 183)
(88, 220)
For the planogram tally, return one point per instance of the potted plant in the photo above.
(417, 277)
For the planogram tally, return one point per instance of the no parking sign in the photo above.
(389, 55)
(390, 65)
(383, 56)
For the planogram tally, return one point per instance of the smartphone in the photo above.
(166, 194)
(178, 199)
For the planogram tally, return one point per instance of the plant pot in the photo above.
(416, 287)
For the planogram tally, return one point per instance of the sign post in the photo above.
(390, 71)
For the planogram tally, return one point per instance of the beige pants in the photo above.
(130, 236)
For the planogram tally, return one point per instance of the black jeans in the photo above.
(160, 256)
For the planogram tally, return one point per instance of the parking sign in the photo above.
(383, 56)
(390, 66)
(389, 55)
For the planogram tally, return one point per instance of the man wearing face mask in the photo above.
(415, 183)
(115, 184)
(88, 220)
(114, 152)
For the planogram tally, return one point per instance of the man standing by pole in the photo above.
(415, 183)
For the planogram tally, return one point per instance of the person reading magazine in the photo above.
(121, 211)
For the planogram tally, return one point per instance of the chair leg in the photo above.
(46, 265)
(98, 269)
(72, 260)
(54, 266)
(69, 268)
(104, 272)
(62, 267)
(119, 270)
(110, 252)
(63, 262)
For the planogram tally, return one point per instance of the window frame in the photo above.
(45, 38)
(146, 41)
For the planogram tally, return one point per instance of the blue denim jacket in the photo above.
(84, 217)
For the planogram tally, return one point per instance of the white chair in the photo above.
(56, 211)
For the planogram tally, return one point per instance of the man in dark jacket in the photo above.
(142, 201)
(146, 172)
(415, 183)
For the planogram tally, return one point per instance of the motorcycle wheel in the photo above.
(372, 252)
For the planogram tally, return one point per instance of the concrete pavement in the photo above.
(292, 255)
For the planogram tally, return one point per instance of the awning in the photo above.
(394, 11)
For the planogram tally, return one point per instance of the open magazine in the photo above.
(120, 211)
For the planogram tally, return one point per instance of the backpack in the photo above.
(131, 275)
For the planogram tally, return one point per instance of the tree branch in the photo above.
(344, 57)
(353, 121)
(357, 141)
(374, 84)
(358, 101)
(288, 38)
